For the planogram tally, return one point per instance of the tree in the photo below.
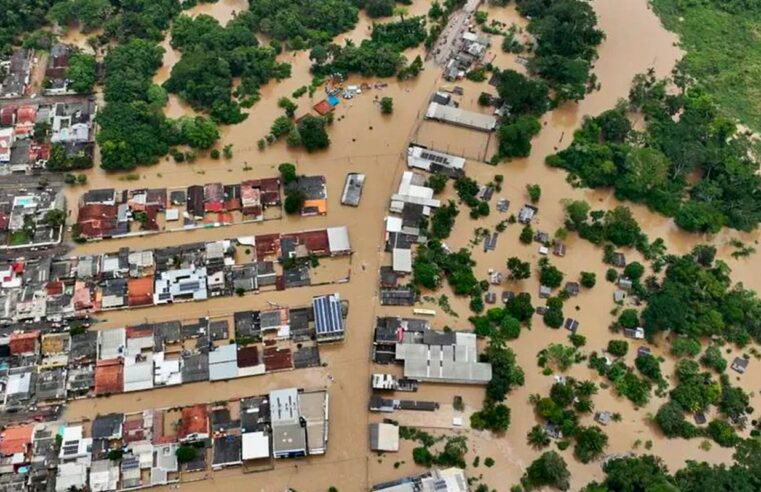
(186, 453)
(287, 105)
(534, 192)
(549, 469)
(649, 366)
(670, 419)
(387, 105)
(712, 358)
(621, 228)
(505, 371)
(437, 182)
(515, 137)
(549, 275)
(521, 94)
(287, 173)
(519, 307)
(723, 433)
(81, 72)
(493, 416)
(537, 437)
(198, 132)
(588, 279)
(509, 327)
(422, 456)
(281, 126)
(634, 270)
(294, 201)
(590, 443)
(527, 234)
(313, 134)
(618, 348)
(379, 8)
(704, 254)
(55, 217)
(519, 270)
(553, 317)
(637, 473)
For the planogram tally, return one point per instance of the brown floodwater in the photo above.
(365, 140)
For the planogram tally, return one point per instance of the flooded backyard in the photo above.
(364, 140)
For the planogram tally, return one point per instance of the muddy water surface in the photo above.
(364, 140)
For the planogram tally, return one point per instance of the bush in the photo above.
(186, 453)
(618, 348)
(588, 279)
(422, 456)
(611, 275)
(387, 105)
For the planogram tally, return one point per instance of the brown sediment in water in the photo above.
(364, 140)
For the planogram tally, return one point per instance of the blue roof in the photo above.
(328, 317)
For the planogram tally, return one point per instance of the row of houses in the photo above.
(57, 288)
(154, 447)
(70, 124)
(44, 369)
(108, 213)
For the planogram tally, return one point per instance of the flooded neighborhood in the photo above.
(254, 314)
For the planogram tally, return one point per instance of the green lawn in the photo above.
(723, 51)
(18, 238)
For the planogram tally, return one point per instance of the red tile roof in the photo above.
(323, 107)
(195, 420)
(248, 357)
(109, 377)
(15, 439)
(26, 115)
(24, 343)
(140, 291)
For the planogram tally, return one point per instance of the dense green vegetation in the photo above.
(616, 226)
(723, 50)
(133, 131)
(304, 23)
(20, 17)
(548, 470)
(81, 72)
(649, 473)
(685, 136)
(567, 39)
(381, 55)
(212, 55)
(709, 304)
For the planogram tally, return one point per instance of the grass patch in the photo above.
(723, 52)
(19, 237)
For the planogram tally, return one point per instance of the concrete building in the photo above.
(460, 117)
(299, 422)
(328, 318)
(449, 480)
(435, 162)
(384, 437)
(442, 357)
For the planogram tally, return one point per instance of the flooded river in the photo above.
(362, 139)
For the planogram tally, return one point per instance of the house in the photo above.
(625, 284)
(24, 343)
(603, 417)
(618, 260)
(384, 437)
(571, 325)
(194, 423)
(71, 476)
(195, 201)
(353, 189)
(223, 362)
(526, 214)
(636, 333)
(7, 138)
(544, 292)
(181, 284)
(402, 260)
(104, 475)
(572, 288)
(328, 318)
(55, 73)
(288, 436)
(315, 193)
(16, 442)
(72, 121)
(558, 249)
(107, 426)
(619, 296)
(740, 365)
(18, 73)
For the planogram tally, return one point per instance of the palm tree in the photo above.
(586, 388)
(538, 438)
(401, 12)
